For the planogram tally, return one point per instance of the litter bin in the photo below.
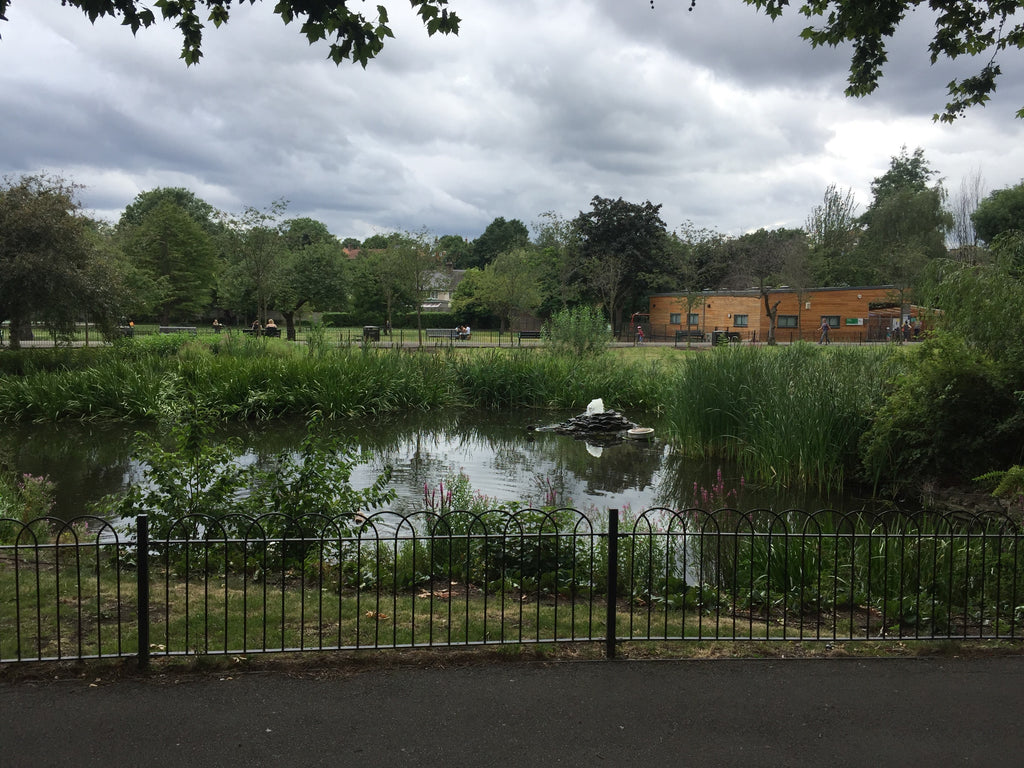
(719, 337)
(371, 333)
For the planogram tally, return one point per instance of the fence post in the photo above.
(142, 586)
(612, 581)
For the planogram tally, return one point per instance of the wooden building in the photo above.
(858, 314)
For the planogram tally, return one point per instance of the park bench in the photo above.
(190, 329)
(442, 333)
(273, 333)
(528, 335)
(689, 335)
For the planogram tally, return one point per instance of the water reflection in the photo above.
(502, 458)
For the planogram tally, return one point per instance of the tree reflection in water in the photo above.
(502, 458)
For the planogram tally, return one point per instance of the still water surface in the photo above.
(503, 458)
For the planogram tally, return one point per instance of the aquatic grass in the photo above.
(534, 378)
(117, 389)
(789, 416)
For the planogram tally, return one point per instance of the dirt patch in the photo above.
(339, 665)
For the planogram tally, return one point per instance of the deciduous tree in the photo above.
(499, 237)
(356, 36)
(1000, 212)
(255, 250)
(509, 286)
(906, 224)
(312, 271)
(622, 251)
(50, 269)
(832, 234)
(963, 234)
(176, 255)
(984, 28)
(764, 258)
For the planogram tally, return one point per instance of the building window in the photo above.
(694, 319)
(832, 320)
(788, 321)
(675, 318)
(740, 321)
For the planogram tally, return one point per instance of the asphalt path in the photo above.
(780, 712)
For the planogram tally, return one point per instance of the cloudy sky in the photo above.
(727, 119)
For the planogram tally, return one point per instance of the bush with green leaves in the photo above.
(953, 415)
(199, 490)
(24, 501)
(579, 330)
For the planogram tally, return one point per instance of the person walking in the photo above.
(824, 333)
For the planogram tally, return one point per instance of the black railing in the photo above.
(236, 585)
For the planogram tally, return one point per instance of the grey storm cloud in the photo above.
(724, 117)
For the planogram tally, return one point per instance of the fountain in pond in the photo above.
(596, 425)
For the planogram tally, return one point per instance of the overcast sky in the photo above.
(723, 117)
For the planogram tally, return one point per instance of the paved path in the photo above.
(813, 712)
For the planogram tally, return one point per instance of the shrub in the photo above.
(580, 330)
(952, 416)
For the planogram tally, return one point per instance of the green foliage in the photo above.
(789, 416)
(197, 209)
(901, 575)
(51, 271)
(343, 320)
(1001, 211)
(951, 415)
(356, 37)
(24, 499)
(23, 362)
(500, 236)
(579, 330)
(316, 341)
(1006, 484)
(523, 378)
(257, 253)
(177, 257)
(982, 304)
(197, 489)
(622, 252)
(904, 227)
(832, 232)
(983, 29)
(509, 287)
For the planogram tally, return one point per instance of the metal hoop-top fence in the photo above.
(87, 588)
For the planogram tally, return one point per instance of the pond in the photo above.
(503, 458)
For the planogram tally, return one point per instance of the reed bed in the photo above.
(254, 379)
(538, 379)
(790, 416)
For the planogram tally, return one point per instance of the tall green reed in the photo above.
(790, 416)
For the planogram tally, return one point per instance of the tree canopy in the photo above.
(499, 237)
(622, 250)
(49, 269)
(905, 226)
(984, 28)
(356, 36)
(176, 255)
(1000, 212)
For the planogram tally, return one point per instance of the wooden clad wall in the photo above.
(719, 311)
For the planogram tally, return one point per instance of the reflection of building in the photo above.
(865, 313)
(443, 285)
